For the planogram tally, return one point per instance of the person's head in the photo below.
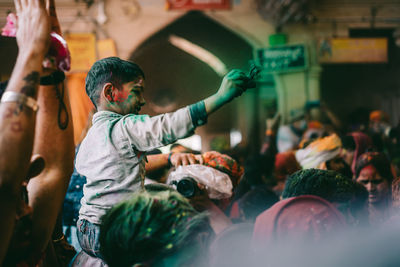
(378, 121)
(251, 204)
(373, 170)
(117, 85)
(339, 165)
(150, 227)
(336, 188)
(316, 154)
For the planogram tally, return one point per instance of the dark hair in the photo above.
(254, 202)
(329, 185)
(348, 142)
(149, 227)
(110, 70)
(379, 161)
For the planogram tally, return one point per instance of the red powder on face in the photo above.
(120, 96)
(369, 169)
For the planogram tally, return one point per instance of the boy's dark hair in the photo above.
(110, 70)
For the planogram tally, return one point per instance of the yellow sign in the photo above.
(82, 47)
(106, 48)
(353, 50)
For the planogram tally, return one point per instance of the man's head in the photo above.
(117, 85)
(151, 226)
(344, 193)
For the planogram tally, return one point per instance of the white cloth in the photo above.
(217, 184)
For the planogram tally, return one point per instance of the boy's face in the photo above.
(130, 98)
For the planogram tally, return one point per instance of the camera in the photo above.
(187, 187)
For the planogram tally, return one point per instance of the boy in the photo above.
(112, 155)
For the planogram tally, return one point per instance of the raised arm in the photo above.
(17, 111)
(54, 142)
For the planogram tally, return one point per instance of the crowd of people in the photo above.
(316, 193)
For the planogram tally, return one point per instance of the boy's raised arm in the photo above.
(233, 85)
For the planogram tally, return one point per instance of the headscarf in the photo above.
(225, 164)
(300, 218)
(319, 151)
(378, 116)
(379, 161)
(363, 142)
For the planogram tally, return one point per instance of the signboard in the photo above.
(106, 48)
(83, 50)
(198, 4)
(283, 58)
(353, 50)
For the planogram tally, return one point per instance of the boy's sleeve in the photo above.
(147, 133)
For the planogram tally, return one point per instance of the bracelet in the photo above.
(169, 159)
(53, 79)
(59, 239)
(20, 98)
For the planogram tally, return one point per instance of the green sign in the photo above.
(283, 58)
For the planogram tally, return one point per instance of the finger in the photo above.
(178, 162)
(192, 160)
(24, 4)
(47, 2)
(185, 161)
(199, 159)
(17, 4)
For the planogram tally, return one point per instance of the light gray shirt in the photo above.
(112, 154)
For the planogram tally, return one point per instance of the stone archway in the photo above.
(175, 78)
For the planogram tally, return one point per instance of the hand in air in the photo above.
(33, 26)
(234, 84)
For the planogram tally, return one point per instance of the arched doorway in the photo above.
(175, 78)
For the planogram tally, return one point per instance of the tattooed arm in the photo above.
(18, 121)
(54, 142)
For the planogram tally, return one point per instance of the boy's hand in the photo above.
(33, 26)
(233, 85)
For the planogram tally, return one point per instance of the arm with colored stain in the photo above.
(17, 120)
(234, 84)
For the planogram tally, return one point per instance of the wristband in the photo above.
(169, 159)
(20, 98)
(53, 79)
